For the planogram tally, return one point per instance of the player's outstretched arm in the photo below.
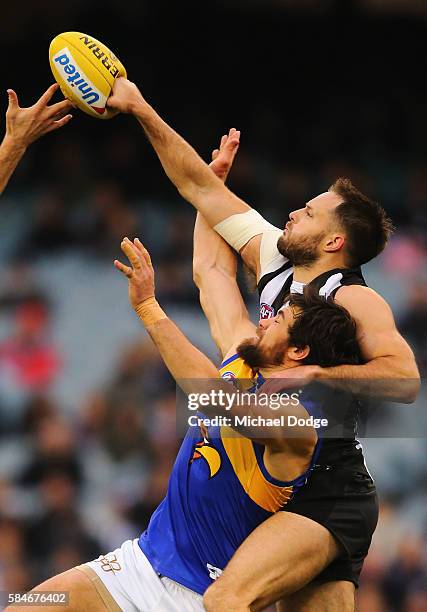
(193, 177)
(25, 125)
(196, 374)
(179, 355)
(215, 266)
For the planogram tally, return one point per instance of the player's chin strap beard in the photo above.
(150, 312)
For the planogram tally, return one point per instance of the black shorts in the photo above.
(340, 495)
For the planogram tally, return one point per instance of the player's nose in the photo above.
(293, 216)
(265, 323)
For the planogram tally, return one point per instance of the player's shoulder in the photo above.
(235, 370)
(234, 367)
(357, 297)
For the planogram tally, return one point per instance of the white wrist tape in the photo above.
(238, 229)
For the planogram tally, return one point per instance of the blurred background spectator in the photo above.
(319, 88)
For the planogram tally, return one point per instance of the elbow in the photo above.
(201, 267)
(410, 390)
(307, 446)
(197, 277)
(409, 387)
(210, 270)
(411, 384)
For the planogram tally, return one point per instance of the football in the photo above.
(85, 70)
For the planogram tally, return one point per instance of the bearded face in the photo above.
(257, 356)
(300, 250)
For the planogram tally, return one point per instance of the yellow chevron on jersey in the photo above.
(241, 454)
(241, 450)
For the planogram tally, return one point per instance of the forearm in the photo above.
(389, 378)
(196, 374)
(11, 153)
(185, 168)
(181, 357)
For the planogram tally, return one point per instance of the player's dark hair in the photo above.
(324, 326)
(365, 222)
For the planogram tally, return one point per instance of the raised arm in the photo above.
(195, 373)
(193, 177)
(25, 125)
(215, 266)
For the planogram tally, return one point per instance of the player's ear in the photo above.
(334, 242)
(298, 354)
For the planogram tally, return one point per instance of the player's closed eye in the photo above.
(280, 315)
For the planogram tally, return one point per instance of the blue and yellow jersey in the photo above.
(218, 493)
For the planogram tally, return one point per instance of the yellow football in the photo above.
(85, 70)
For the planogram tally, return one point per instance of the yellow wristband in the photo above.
(149, 312)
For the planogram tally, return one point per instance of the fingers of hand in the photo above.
(141, 248)
(111, 102)
(223, 141)
(46, 97)
(233, 138)
(59, 107)
(61, 122)
(231, 141)
(215, 154)
(131, 253)
(124, 269)
(13, 99)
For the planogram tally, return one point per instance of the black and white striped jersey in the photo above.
(274, 289)
(275, 286)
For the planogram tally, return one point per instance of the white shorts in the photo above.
(129, 583)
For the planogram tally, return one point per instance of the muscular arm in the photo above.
(389, 359)
(181, 357)
(25, 125)
(185, 168)
(214, 271)
(215, 267)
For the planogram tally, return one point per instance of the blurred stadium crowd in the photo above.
(87, 410)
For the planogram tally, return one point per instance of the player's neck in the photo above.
(274, 371)
(305, 274)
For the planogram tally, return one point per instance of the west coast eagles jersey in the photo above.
(219, 491)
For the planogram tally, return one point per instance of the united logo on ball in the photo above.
(85, 70)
